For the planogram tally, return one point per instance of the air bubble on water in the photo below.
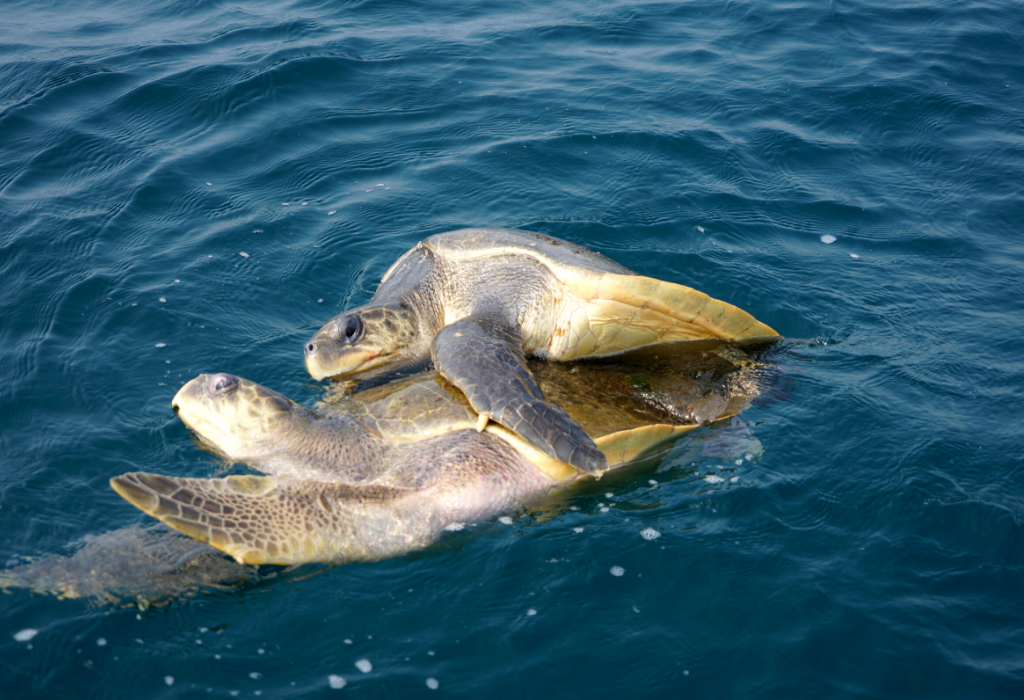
(332, 212)
(25, 635)
(748, 456)
(828, 239)
(430, 653)
(701, 229)
(713, 479)
(305, 203)
(577, 530)
(348, 641)
(169, 680)
(455, 527)
(101, 642)
(364, 665)
(604, 509)
(652, 482)
(261, 651)
(617, 571)
(505, 520)
(739, 461)
(255, 675)
(531, 612)
(163, 300)
(209, 184)
(574, 507)
(161, 345)
(734, 480)
(336, 682)
(649, 533)
(284, 204)
(432, 683)
(854, 256)
(244, 254)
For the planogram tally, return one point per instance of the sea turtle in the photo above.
(477, 300)
(386, 471)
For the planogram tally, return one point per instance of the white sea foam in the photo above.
(336, 682)
(169, 680)
(432, 683)
(713, 478)
(364, 665)
(455, 527)
(531, 612)
(617, 571)
(577, 530)
(505, 520)
(649, 533)
(255, 675)
(25, 635)
(828, 239)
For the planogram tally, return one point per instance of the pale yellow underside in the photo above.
(620, 447)
(606, 313)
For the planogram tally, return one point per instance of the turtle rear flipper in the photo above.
(484, 359)
(262, 519)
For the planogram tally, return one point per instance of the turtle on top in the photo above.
(478, 301)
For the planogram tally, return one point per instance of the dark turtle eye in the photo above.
(350, 329)
(221, 383)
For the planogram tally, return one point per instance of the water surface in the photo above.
(197, 186)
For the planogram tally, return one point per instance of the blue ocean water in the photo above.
(190, 186)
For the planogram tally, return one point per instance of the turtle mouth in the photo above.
(340, 366)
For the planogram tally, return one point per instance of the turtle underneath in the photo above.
(390, 469)
(478, 301)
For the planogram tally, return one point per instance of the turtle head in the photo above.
(363, 339)
(238, 418)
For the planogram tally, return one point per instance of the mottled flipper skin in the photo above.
(485, 360)
(263, 520)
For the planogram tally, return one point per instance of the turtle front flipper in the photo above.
(265, 520)
(485, 360)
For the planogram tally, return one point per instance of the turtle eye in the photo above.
(222, 383)
(350, 329)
